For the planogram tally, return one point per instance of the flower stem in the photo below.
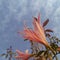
(51, 49)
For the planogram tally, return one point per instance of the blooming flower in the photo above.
(37, 34)
(23, 56)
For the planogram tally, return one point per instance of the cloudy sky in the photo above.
(14, 12)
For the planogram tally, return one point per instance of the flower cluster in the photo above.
(37, 34)
(39, 37)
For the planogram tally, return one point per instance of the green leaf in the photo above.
(54, 46)
(48, 35)
(6, 56)
(39, 53)
(3, 54)
(45, 52)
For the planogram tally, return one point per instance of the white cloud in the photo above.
(13, 7)
(51, 10)
(56, 21)
(19, 8)
(49, 7)
(36, 5)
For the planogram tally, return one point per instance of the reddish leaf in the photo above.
(48, 35)
(48, 30)
(46, 22)
(35, 18)
(25, 39)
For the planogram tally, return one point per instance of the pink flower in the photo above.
(37, 34)
(23, 56)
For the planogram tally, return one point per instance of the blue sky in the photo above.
(14, 12)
